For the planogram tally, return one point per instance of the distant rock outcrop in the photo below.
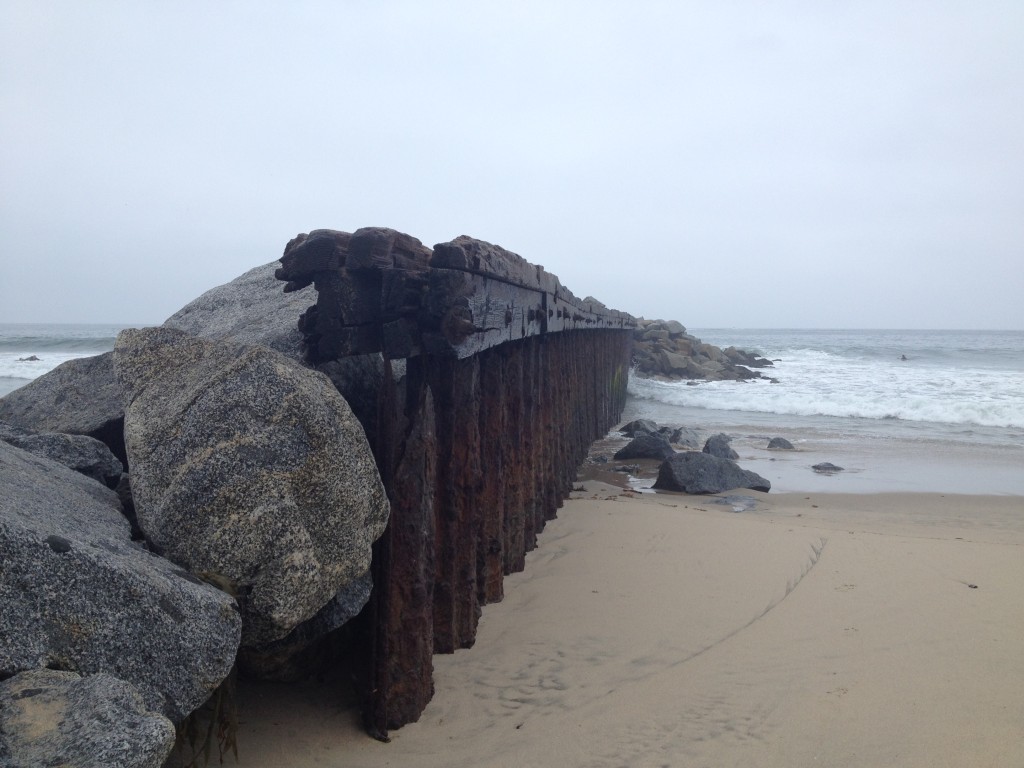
(663, 349)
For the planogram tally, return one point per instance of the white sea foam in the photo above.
(816, 383)
(22, 366)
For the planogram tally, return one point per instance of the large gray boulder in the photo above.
(78, 397)
(81, 453)
(52, 718)
(694, 472)
(76, 594)
(251, 468)
(251, 309)
(83, 397)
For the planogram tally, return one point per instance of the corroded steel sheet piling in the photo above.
(494, 382)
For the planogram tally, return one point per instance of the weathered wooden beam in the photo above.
(384, 291)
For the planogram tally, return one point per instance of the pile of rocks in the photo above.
(710, 470)
(663, 349)
(246, 504)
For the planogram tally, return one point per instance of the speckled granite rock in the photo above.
(251, 468)
(77, 594)
(51, 718)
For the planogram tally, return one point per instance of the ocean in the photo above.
(948, 418)
(900, 410)
(28, 350)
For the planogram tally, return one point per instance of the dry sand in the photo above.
(664, 630)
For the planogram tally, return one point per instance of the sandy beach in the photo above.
(667, 630)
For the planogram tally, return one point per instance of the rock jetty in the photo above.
(664, 350)
(369, 433)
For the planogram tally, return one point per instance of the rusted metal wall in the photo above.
(496, 381)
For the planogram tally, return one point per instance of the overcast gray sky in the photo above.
(746, 164)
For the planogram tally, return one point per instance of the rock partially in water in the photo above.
(645, 446)
(640, 427)
(826, 468)
(718, 445)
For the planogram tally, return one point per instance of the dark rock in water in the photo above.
(693, 472)
(79, 397)
(645, 447)
(640, 427)
(749, 359)
(81, 453)
(76, 593)
(35, 359)
(826, 468)
(48, 717)
(718, 445)
(780, 443)
(269, 481)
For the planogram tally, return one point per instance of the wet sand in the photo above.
(667, 630)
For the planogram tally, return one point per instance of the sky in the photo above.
(726, 164)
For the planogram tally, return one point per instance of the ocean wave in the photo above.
(989, 404)
(27, 366)
(37, 345)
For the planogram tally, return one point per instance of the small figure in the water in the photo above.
(903, 357)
